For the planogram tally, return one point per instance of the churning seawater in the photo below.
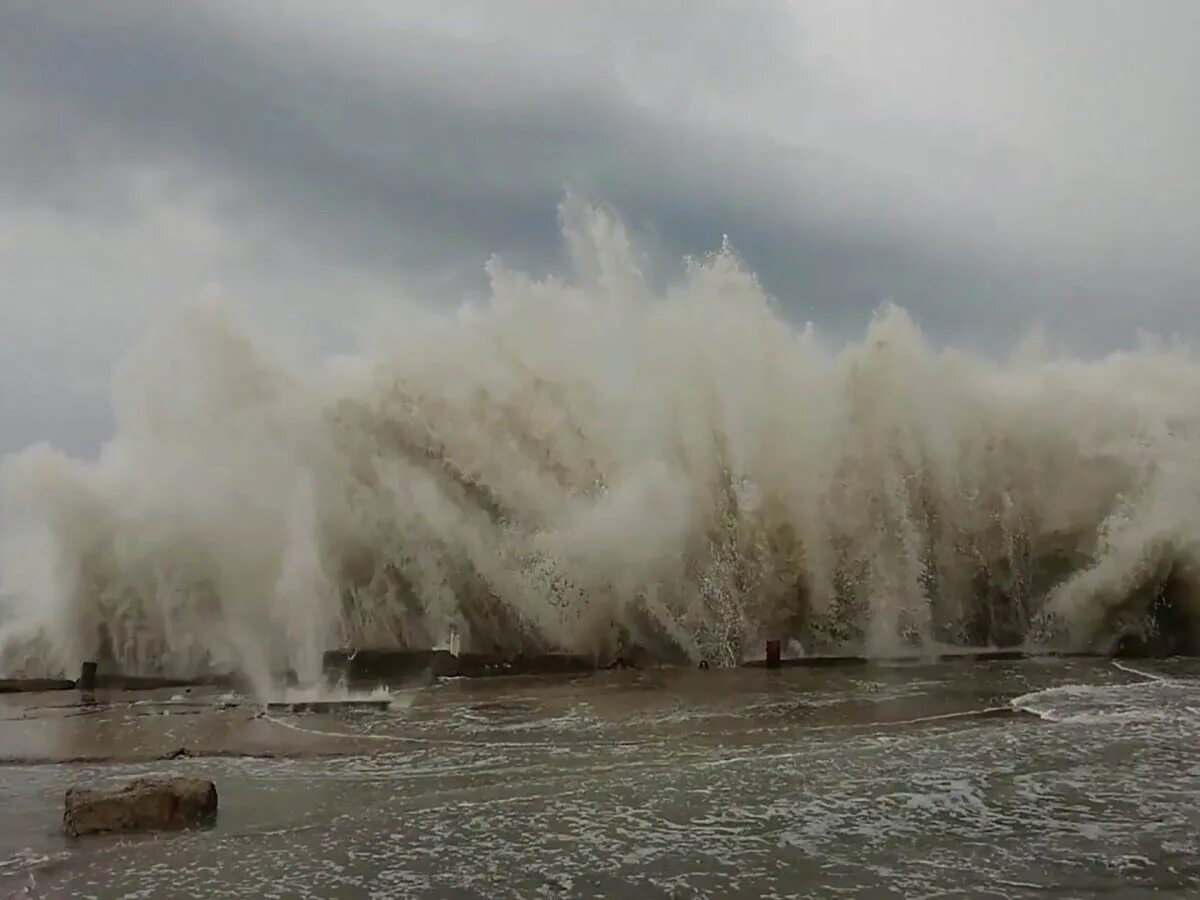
(1062, 778)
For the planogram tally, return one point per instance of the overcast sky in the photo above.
(987, 165)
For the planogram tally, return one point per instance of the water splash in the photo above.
(587, 465)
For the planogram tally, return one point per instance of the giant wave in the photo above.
(591, 465)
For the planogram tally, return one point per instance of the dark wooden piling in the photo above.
(774, 654)
(87, 677)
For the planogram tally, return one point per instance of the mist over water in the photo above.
(593, 466)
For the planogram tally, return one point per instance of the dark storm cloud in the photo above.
(293, 150)
(403, 172)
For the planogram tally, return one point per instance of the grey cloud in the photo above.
(329, 149)
(401, 173)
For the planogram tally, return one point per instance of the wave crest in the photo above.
(589, 464)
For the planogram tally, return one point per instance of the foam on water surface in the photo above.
(793, 783)
(1154, 698)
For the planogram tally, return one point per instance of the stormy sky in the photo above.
(989, 166)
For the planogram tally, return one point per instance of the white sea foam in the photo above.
(582, 464)
(1082, 704)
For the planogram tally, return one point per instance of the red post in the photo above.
(773, 654)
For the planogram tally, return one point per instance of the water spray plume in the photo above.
(585, 465)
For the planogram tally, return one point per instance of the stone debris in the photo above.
(146, 804)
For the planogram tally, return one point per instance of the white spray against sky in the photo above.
(588, 465)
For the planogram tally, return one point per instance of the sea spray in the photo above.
(587, 465)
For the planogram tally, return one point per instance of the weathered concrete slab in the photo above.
(374, 664)
(389, 665)
(326, 706)
(34, 685)
(819, 662)
(144, 726)
(482, 665)
(147, 804)
(116, 682)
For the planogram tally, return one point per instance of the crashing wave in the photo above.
(590, 465)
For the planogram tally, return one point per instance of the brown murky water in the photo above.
(968, 779)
